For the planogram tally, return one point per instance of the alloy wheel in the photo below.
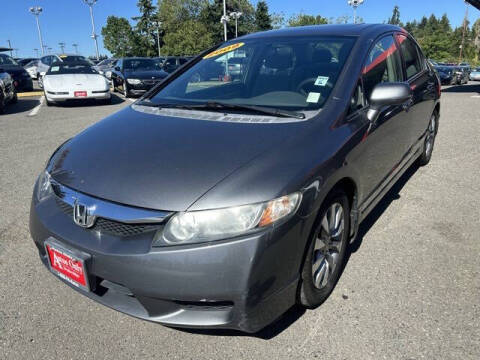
(328, 246)
(430, 139)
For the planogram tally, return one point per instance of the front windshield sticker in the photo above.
(54, 68)
(224, 50)
(313, 97)
(321, 81)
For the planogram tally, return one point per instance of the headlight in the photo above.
(134, 81)
(44, 188)
(208, 225)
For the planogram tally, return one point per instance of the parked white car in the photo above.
(47, 60)
(74, 81)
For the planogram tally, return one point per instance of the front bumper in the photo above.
(474, 77)
(71, 96)
(143, 86)
(243, 283)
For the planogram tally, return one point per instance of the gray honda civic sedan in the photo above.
(220, 201)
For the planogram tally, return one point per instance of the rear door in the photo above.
(422, 82)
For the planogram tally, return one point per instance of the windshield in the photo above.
(140, 64)
(72, 58)
(106, 62)
(65, 68)
(7, 60)
(289, 73)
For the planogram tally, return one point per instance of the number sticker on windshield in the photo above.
(321, 81)
(313, 97)
(224, 50)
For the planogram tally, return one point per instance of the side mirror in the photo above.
(387, 94)
(117, 68)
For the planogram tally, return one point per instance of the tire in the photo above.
(429, 142)
(320, 271)
(106, 101)
(2, 103)
(14, 99)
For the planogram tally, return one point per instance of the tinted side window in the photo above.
(383, 64)
(413, 65)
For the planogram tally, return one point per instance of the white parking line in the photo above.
(131, 100)
(36, 109)
(476, 96)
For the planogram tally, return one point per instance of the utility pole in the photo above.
(62, 46)
(94, 36)
(10, 46)
(465, 20)
(36, 11)
(355, 4)
(236, 15)
(224, 19)
(76, 48)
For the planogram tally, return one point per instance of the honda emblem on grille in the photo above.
(82, 215)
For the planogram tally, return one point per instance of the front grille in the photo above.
(110, 226)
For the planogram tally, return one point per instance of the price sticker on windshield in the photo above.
(313, 97)
(224, 50)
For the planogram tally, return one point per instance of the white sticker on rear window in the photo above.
(321, 81)
(313, 97)
(54, 68)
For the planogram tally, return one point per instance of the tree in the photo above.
(395, 19)
(146, 30)
(189, 39)
(303, 20)
(263, 20)
(117, 36)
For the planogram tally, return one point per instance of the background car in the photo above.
(21, 79)
(462, 74)
(172, 63)
(32, 68)
(74, 80)
(136, 75)
(475, 74)
(105, 67)
(25, 61)
(7, 90)
(446, 75)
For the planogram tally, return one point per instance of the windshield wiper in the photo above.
(222, 106)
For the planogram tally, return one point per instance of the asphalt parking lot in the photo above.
(410, 289)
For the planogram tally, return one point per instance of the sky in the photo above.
(69, 20)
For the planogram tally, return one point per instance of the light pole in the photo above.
(158, 24)
(36, 11)
(224, 19)
(94, 36)
(463, 32)
(355, 4)
(62, 46)
(236, 15)
(49, 50)
(10, 46)
(76, 48)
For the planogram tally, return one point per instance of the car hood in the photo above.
(146, 74)
(160, 162)
(69, 82)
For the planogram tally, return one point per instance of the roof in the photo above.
(475, 3)
(326, 30)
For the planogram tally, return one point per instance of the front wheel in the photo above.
(326, 251)
(126, 93)
(429, 142)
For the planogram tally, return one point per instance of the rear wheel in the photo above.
(326, 251)
(429, 142)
